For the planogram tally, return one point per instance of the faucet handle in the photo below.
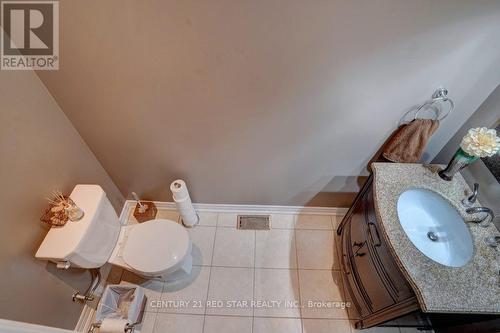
(468, 202)
(484, 222)
(493, 241)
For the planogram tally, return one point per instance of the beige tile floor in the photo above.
(286, 272)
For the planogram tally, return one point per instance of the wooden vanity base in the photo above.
(377, 288)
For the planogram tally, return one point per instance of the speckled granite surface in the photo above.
(473, 288)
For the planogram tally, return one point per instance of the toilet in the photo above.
(156, 249)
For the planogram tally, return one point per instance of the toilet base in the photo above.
(179, 271)
(182, 272)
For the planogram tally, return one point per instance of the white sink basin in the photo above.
(435, 227)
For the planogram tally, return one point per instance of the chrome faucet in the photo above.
(481, 222)
(468, 202)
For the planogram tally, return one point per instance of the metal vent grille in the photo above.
(254, 222)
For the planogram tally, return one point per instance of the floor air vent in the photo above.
(254, 222)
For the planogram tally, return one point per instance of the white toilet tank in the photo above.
(87, 243)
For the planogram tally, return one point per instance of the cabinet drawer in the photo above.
(369, 282)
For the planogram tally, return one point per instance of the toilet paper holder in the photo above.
(129, 328)
(124, 303)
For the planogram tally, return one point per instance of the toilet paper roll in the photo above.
(187, 212)
(183, 205)
(179, 189)
(190, 220)
(183, 202)
(111, 325)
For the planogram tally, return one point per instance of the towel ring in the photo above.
(440, 95)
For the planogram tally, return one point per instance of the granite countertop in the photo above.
(472, 288)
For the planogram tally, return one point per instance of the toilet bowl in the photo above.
(156, 249)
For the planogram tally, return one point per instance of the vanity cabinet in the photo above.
(375, 284)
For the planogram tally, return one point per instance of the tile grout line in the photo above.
(248, 316)
(297, 272)
(279, 268)
(335, 256)
(158, 310)
(274, 228)
(154, 320)
(210, 274)
(338, 258)
(244, 316)
(254, 274)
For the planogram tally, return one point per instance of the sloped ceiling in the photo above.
(263, 102)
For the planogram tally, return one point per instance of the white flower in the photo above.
(481, 142)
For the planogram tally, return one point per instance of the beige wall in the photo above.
(487, 115)
(263, 102)
(41, 151)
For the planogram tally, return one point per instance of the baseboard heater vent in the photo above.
(254, 222)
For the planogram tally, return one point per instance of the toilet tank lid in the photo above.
(61, 242)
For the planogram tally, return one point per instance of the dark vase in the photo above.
(459, 161)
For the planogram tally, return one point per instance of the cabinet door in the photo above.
(351, 284)
(385, 263)
(368, 279)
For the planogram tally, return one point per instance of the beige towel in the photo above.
(410, 140)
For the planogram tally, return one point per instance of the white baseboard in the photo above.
(263, 209)
(85, 320)
(124, 213)
(11, 326)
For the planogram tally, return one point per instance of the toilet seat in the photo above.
(156, 247)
